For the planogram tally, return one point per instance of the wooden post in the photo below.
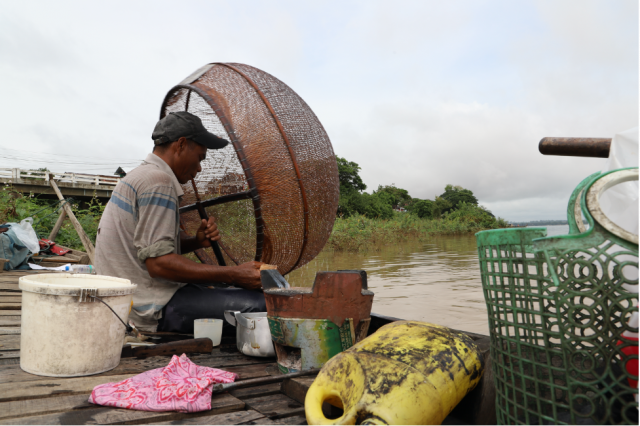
(58, 225)
(86, 242)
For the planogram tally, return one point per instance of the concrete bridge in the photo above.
(80, 186)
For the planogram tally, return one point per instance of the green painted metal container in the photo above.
(310, 325)
(311, 341)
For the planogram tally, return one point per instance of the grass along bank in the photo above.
(15, 206)
(358, 233)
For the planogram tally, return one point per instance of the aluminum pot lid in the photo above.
(71, 284)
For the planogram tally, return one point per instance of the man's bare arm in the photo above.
(177, 268)
(188, 244)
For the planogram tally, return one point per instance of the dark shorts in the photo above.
(195, 301)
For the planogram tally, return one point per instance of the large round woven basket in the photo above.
(274, 189)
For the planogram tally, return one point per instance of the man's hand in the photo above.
(174, 267)
(247, 275)
(207, 231)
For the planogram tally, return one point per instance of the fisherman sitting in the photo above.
(139, 237)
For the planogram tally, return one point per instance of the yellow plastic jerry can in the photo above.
(408, 372)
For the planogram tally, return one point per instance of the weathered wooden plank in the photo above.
(9, 342)
(60, 404)
(6, 355)
(4, 298)
(133, 366)
(14, 276)
(9, 330)
(250, 371)
(13, 321)
(31, 407)
(263, 422)
(234, 418)
(15, 306)
(46, 386)
(297, 388)
(10, 361)
(293, 420)
(4, 286)
(276, 406)
(256, 391)
(220, 404)
(9, 313)
(54, 386)
(19, 272)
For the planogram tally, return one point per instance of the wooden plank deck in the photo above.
(29, 399)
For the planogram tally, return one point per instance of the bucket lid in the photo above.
(72, 284)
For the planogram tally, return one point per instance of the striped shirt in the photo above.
(141, 220)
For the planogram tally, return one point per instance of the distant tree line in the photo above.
(454, 201)
(540, 223)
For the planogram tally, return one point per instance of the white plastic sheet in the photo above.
(49, 268)
(620, 203)
(25, 233)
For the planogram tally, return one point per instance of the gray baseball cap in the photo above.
(184, 124)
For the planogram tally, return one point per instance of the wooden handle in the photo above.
(214, 244)
(204, 345)
(203, 215)
(576, 147)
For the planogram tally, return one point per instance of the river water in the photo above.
(435, 280)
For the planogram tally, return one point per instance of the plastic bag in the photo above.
(25, 233)
(620, 203)
(13, 250)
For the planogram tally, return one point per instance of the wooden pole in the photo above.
(58, 225)
(86, 242)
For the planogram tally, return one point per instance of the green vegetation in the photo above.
(366, 220)
(14, 207)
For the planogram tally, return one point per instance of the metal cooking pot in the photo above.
(252, 333)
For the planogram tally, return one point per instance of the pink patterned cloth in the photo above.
(180, 386)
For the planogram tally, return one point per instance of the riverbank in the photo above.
(356, 233)
(14, 207)
(361, 234)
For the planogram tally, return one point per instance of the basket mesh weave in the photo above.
(557, 309)
(280, 164)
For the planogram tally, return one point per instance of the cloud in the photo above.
(420, 94)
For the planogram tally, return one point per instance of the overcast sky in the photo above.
(418, 93)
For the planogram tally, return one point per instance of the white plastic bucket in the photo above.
(67, 333)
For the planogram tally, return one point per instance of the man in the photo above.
(139, 237)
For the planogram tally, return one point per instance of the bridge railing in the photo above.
(44, 176)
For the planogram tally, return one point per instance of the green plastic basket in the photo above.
(557, 308)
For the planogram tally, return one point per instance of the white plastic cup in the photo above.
(208, 327)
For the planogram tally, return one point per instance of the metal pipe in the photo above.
(222, 387)
(576, 147)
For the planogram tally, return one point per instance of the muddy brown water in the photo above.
(435, 280)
